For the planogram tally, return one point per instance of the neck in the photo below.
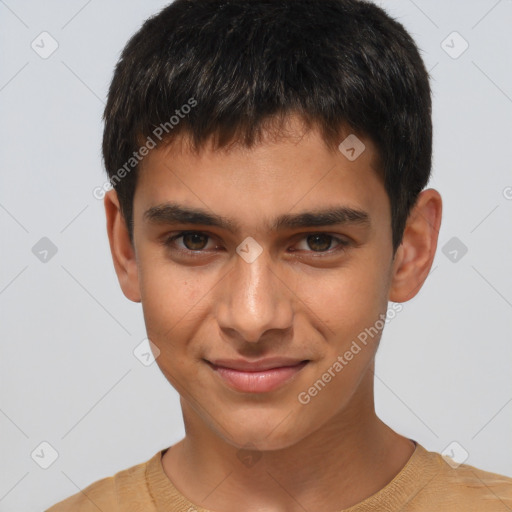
(348, 459)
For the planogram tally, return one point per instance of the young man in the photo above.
(269, 159)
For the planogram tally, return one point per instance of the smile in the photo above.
(259, 377)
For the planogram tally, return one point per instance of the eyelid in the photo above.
(171, 238)
(342, 243)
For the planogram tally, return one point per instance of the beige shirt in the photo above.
(427, 483)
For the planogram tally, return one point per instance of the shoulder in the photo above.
(465, 487)
(100, 495)
(112, 493)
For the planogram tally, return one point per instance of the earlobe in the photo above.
(415, 254)
(123, 252)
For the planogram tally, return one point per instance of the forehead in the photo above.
(254, 185)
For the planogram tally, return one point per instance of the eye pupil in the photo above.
(319, 242)
(195, 241)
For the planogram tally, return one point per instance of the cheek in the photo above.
(172, 298)
(174, 303)
(351, 305)
(348, 300)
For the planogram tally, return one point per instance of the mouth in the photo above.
(260, 376)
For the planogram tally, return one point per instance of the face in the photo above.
(259, 271)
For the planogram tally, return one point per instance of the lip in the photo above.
(259, 376)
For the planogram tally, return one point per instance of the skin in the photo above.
(294, 300)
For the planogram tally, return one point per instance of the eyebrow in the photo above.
(173, 213)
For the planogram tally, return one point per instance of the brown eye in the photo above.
(319, 242)
(194, 241)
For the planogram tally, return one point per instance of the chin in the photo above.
(273, 433)
(246, 441)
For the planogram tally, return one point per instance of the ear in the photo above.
(123, 252)
(415, 254)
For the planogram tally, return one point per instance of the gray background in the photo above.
(68, 373)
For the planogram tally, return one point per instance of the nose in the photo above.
(254, 299)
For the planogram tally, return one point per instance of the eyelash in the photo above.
(169, 242)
